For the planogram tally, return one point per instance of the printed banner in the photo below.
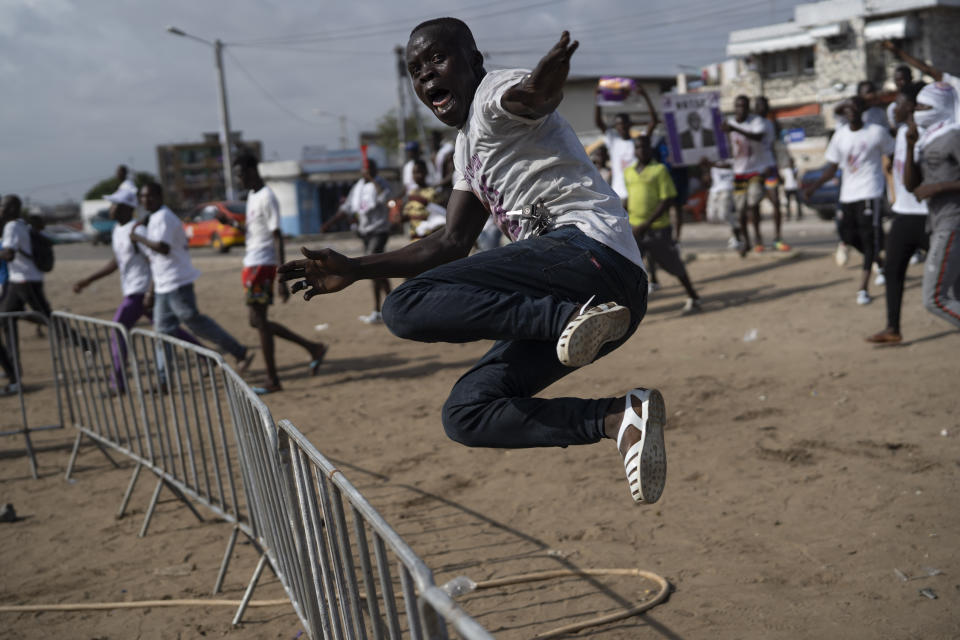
(693, 122)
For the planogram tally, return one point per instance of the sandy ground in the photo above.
(804, 467)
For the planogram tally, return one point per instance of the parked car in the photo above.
(824, 200)
(204, 230)
(102, 225)
(62, 234)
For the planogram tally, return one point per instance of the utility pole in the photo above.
(401, 93)
(421, 133)
(225, 142)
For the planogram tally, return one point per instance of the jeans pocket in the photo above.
(577, 278)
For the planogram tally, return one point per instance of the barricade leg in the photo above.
(226, 559)
(129, 491)
(73, 455)
(249, 592)
(153, 504)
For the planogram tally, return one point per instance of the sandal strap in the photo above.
(630, 417)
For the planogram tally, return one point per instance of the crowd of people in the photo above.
(573, 284)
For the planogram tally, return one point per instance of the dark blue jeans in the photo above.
(522, 296)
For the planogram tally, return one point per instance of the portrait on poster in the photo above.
(693, 123)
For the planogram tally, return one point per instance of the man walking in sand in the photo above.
(569, 289)
(264, 251)
(173, 276)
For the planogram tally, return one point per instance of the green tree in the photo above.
(109, 185)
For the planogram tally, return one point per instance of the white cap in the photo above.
(124, 195)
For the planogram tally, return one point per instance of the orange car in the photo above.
(204, 230)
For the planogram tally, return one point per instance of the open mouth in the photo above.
(439, 98)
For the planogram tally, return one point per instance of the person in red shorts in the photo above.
(264, 251)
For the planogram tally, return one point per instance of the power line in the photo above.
(266, 93)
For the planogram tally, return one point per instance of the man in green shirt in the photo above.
(649, 194)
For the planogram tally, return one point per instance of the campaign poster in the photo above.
(694, 127)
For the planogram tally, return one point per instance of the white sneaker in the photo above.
(652, 286)
(880, 280)
(863, 297)
(589, 330)
(691, 305)
(373, 318)
(733, 243)
(917, 257)
(842, 255)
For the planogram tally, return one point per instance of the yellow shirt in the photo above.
(645, 190)
(417, 211)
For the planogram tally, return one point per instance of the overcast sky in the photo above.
(88, 84)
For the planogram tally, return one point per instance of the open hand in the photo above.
(323, 271)
(79, 285)
(542, 90)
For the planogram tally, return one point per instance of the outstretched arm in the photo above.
(597, 113)
(103, 272)
(540, 93)
(654, 119)
(826, 176)
(916, 63)
(756, 136)
(326, 271)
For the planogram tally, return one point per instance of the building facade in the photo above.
(806, 66)
(192, 173)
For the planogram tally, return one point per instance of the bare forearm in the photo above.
(752, 135)
(825, 177)
(160, 247)
(912, 177)
(413, 259)
(103, 272)
(279, 246)
(919, 64)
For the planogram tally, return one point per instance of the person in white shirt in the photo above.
(25, 285)
(908, 231)
(924, 68)
(442, 163)
(720, 198)
(620, 146)
(134, 280)
(858, 149)
(750, 160)
(264, 251)
(173, 273)
(771, 175)
(412, 150)
(519, 161)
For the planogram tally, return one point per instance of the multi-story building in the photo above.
(807, 65)
(192, 172)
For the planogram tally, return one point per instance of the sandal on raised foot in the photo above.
(589, 330)
(645, 462)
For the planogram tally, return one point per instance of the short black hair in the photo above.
(866, 84)
(859, 103)
(905, 70)
(912, 89)
(453, 28)
(421, 163)
(246, 160)
(154, 187)
(742, 96)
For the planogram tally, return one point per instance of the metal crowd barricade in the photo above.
(185, 406)
(8, 322)
(101, 392)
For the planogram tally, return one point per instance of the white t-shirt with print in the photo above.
(622, 155)
(721, 179)
(905, 202)
(749, 156)
(859, 154)
(508, 161)
(132, 262)
(174, 270)
(876, 115)
(16, 236)
(262, 219)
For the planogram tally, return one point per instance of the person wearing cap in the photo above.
(931, 172)
(134, 278)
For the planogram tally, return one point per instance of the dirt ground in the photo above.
(804, 467)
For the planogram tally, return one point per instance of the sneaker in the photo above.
(589, 330)
(887, 336)
(692, 305)
(758, 248)
(880, 280)
(780, 245)
(373, 318)
(733, 244)
(652, 286)
(842, 255)
(918, 257)
(863, 297)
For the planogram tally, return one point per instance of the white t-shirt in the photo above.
(174, 270)
(789, 177)
(263, 218)
(622, 155)
(16, 236)
(860, 155)
(442, 154)
(876, 115)
(407, 175)
(905, 203)
(508, 161)
(953, 81)
(749, 156)
(721, 179)
(133, 264)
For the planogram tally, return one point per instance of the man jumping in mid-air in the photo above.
(569, 289)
